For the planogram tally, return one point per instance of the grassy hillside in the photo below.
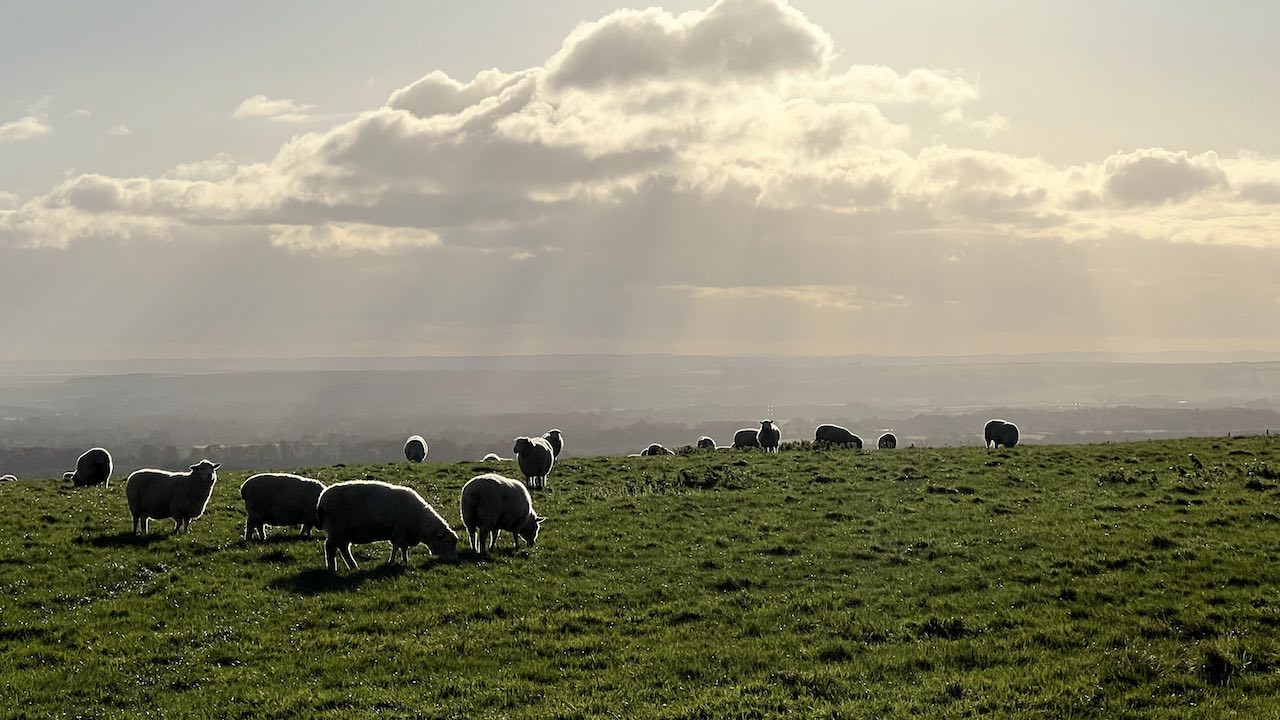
(1125, 580)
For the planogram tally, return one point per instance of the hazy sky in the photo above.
(750, 176)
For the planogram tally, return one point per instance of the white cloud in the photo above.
(24, 128)
(990, 126)
(78, 114)
(283, 110)
(734, 110)
(343, 238)
(747, 40)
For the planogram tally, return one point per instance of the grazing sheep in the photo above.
(492, 503)
(365, 511)
(536, 459)
(655, 450)
(8, 478)
(706, 443)
(769, 437)
(415, 449)
(836, 435)
(1009, 435)
(181, 497)
(279, 499)
(887, 441)
(992, 433)
(555, 440)
(93, 468)
(746, 438)
(493, 457)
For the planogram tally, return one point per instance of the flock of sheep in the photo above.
(365, 511)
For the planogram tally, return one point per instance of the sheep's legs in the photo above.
(345, 551)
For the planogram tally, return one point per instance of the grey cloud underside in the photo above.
(1156, 177)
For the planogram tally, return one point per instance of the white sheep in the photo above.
(887, 441)
(8, 478)
(365, 511)
(93, 468)
(492, 503)
(999, 432)
(746, 438)
(556, 440)
(706, 443)
(769, 436)
(493, 457)
(536, 459)
(836, 435)
(415, 449)
(181, 497)
(279, 499)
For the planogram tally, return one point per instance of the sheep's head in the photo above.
(552, 434)
(766, 425)
(531, 526)
(523, 444)
(444, 545)
(206, 470)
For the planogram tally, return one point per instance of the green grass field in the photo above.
(1123, 580)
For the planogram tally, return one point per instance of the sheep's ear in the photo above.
(217, 465)
(539, 519)
(196, 466)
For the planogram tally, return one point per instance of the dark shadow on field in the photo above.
(319, 580)
(124, 538)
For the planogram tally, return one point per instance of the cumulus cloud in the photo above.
(24, 128)
(737, 110)
(733, 40)
(1155, 175)
(282, 110)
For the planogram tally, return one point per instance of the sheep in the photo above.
(746, 438)
(415, 449)
(279, 499)
(655, 450)
(181, 497)
(706, 443)
(535, 458)
(1009, 435)
(887, 441)
(93, 468)
(8, 478)
(769, 436)
(491, 503)
(365, 511)
(836, 435)
(992, 433)
(555, 440)
(493, 457)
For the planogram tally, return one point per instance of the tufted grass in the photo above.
(1105, 581)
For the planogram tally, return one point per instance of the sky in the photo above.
(815, 177)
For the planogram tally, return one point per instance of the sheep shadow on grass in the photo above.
(124, 538)
(318, 580)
